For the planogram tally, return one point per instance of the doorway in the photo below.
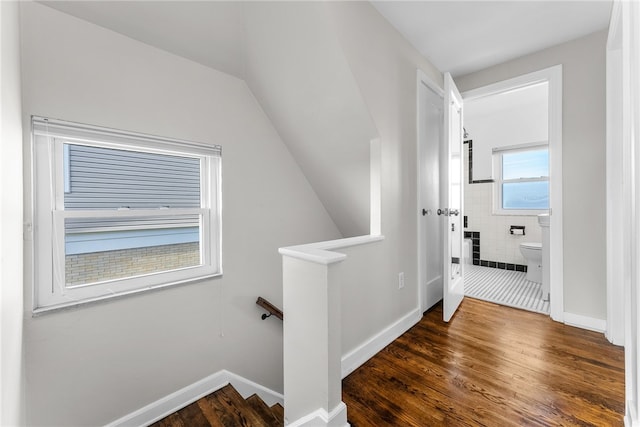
(506, 187)
(552, 76)
(429, 245)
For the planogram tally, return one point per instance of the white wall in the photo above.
(296, 69)
(93, 364)
(384, 66)
(507, 119)
(583, 139)
(496, 242)
(11, 283)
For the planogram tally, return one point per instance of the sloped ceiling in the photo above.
(296, 68)
(456, 36)
(207, 32)
(290, 57)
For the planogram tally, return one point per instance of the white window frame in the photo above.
(48, 185)
(498, 181)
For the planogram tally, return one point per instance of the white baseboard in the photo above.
(631, 417)
(247, 387)
(169, 404)
(585, 322)
(355, 358)
(321, 418)
(433, 292)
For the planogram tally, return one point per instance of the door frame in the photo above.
(422, 79)
(619, 178)
(553, 76)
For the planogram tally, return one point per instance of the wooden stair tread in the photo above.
(263, 410)
(192, 415)
(173, 420)
(235, 411)
(225, 408)
(278, 412)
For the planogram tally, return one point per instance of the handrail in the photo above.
(272, 309)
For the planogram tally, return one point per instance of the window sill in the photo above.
(38, 311)
(514, 212)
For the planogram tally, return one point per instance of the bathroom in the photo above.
(506, 187)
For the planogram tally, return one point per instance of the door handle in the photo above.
(426, 212)
(444, 212)
(454, 212)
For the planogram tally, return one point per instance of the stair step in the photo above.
(225, 408)
(278, 411)
(263, 410)
(234, 410)
(192, 415)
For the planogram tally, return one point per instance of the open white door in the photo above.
(451, 199)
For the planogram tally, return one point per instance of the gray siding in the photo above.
(103, 178)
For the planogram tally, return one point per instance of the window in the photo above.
(522, 180)
(117, 213)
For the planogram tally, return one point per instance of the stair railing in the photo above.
(271, 309)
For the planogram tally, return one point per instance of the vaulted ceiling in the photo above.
(456, 36)
(290, 56)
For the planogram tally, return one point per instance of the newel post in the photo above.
(312, 353)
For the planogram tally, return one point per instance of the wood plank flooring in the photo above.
(490, 366)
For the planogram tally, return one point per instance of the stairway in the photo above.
(226, 408)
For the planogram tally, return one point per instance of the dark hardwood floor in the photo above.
(490, 366)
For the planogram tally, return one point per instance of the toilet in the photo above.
(532, 252)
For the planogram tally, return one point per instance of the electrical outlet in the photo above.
(400, 280)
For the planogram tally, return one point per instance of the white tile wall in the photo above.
(496, 243)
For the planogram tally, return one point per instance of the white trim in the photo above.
(375, 183)
(552, 75)
(509, 85)
(50, 289)
(631, 418)
(434, 292)
(365, 351)
(618, 214)
(522, 147)
(48, 127)
(247, 387)
(321, 418)
(585, 322)
(177, 400)
(498, 169)
(422, 79)
(320, 252)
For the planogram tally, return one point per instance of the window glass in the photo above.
(118, 212)
(522, 180)
(525, 195)
(525, 164)
(103, 249)
(104, 178)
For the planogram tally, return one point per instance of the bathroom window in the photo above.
(119, 213)
(522, 180)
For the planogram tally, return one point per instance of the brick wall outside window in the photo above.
(99, 266)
